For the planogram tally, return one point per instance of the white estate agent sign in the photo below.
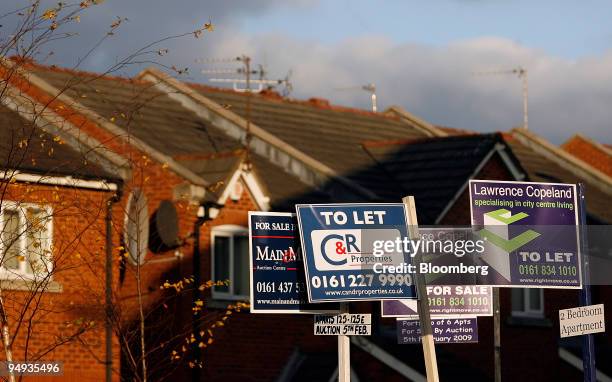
(343, 324)
(582, 320)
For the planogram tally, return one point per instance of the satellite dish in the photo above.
(136, 227)
(164, 233)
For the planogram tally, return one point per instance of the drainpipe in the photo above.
(109, 284)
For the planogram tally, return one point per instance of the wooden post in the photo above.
(344, 351)
(429, 350)
(496, 335)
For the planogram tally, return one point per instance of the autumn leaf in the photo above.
(116, 23)
(209, 26)
(49, 14)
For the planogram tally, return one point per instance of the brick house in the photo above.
(52, 239)
(185, 144)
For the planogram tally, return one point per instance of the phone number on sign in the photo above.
(547, 270)
(355, 281)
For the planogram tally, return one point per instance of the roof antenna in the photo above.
(522, 74)
(370, 88)
(244, 75)
(246, 71)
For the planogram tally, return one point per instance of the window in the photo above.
(25, 241)
(230, 261)
(528, 302)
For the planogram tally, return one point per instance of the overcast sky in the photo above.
(421, 55)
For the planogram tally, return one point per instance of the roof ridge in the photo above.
(410, 141)
(605, 149)
(563, 158)
(310, 102)
(31, 64)
(404, 114)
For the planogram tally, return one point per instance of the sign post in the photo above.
(497, 334)
(588, 341)
(429, 349)
(344, 352)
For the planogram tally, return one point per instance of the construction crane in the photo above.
(521, 73)
(370, 88)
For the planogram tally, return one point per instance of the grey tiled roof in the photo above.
(433, 170)
(541, 169)
(30, 149)
(332, 135)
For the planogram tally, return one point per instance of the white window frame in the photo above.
(227, 230)
(22, 273)
(527, 311)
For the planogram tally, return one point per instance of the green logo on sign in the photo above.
(502, 218)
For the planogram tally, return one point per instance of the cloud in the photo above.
(437, 83)
(442, 84)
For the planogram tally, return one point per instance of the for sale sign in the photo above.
(445, 331)
(338, 242)
(530, 232)
(444, 301)
(277, 271)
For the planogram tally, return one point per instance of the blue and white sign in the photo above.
(277, 270)
(341, 263)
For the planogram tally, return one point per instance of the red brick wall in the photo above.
(79, 259)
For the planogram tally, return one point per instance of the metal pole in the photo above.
(525, 99)
(344, 352)
(497, 335)
(247, 138)
(588, 340)
(429, 350)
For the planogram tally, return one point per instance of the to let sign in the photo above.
(338, 247)
(582, 320)
(530, 233)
